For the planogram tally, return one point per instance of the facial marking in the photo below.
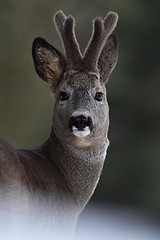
(80, 133)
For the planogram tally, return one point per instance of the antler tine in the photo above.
(110, 22)
(101, 31)
(65, 27)
(59, 20)
(92, 50)
(74, 56)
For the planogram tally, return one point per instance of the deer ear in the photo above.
(49, 62)
(108, 58)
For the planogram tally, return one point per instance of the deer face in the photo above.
(81, 110)
(78, 83)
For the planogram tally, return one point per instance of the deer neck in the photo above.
(81, 167)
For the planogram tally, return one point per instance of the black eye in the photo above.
(63, 96)
(99, 96)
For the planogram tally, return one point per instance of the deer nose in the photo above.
(80, 122)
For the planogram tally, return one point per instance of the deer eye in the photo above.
(99, 96)
(63, 96)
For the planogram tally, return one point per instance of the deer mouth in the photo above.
(81, 133)
(80, 125)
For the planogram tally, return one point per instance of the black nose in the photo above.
(80, 122)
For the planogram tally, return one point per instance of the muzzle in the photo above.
(80, 125)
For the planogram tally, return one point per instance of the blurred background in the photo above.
(131, 176)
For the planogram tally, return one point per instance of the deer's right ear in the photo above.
(49, 62)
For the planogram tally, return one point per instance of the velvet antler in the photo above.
(102, 29)
(65, 27)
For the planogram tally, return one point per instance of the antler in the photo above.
(102, 29)
(66, 29)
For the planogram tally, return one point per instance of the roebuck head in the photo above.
(78, 81)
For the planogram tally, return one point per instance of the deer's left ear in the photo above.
(108, 58)
(49, 62)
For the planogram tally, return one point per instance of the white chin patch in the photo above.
(81, 133)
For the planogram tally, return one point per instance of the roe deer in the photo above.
(63, 173)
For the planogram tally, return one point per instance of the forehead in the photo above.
(82, 80)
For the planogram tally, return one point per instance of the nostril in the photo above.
(90, 123)
(80, 122)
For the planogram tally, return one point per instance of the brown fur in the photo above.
(60, 176)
